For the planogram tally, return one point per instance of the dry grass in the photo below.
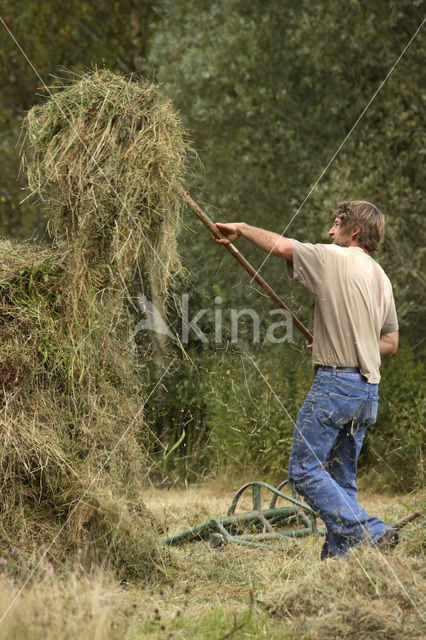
(234, 592)
(68, 391)
(70, 387)
(106, 155)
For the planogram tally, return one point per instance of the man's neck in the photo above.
(354, 243)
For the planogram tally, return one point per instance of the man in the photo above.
(355, 323)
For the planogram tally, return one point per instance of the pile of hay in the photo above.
(367, 596)
(106, 154)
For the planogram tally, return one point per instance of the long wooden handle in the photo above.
(399, 524)
(245, 263)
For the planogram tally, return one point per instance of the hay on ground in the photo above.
(371, 595)
(66, 396)
(105, 155)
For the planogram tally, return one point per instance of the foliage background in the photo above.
(268, 92)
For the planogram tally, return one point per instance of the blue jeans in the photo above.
(327, 440)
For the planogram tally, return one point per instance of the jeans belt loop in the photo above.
(334, 371)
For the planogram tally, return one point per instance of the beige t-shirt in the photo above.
(354, 304)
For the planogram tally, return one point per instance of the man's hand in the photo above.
(389, 343)
(309, 345)
(230, 230)
(266, 240)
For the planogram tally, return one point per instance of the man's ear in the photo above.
(355, 232)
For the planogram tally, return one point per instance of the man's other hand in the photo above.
(389, 343)
(309, 345)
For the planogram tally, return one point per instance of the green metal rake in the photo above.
(257, 527)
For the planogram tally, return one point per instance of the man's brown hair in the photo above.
(364, 215)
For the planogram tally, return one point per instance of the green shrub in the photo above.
(394, 447)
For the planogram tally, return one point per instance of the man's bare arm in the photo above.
(267, 240)
(389, 343)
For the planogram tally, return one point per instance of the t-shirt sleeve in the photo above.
(307, 265)
(390, 323)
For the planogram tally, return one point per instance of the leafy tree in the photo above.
(271, 91)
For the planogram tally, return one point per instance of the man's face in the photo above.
(338, 236)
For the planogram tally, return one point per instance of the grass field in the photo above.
(233, 592)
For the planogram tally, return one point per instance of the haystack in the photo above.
(108, 154)
(105, 156)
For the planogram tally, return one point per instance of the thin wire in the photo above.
(342, 143)
(52, 95)
(342, 494)
(83, 495)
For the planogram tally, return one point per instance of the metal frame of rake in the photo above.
(261, 527)
(258, 527)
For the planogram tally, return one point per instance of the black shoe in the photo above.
(388, 540)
